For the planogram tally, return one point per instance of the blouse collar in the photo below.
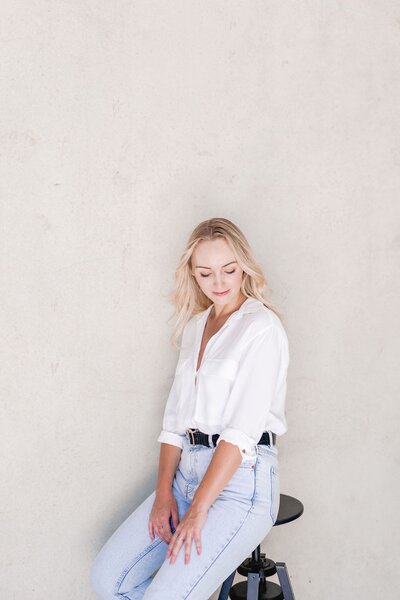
(250, 305)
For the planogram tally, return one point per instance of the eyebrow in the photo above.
(229, 263)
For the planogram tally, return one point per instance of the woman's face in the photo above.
(215, 269)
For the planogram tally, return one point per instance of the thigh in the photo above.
(237, 522)
(130, 556)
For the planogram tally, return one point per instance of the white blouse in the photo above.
(239, 390)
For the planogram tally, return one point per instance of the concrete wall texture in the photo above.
(123, 125)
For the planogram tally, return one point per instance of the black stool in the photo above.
(258, 567)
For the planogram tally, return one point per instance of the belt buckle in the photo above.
(191, 435)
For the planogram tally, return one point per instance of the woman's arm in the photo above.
(226, 460)
(168, 463)
(165, 506)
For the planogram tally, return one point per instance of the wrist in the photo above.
(200, 504)
(164, 489)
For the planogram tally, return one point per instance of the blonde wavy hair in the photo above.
(187, 296)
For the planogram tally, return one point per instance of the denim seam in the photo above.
(274, 475)
(255, 484)
(124, 573)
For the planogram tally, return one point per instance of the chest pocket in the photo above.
(215, 379)
(219, 368)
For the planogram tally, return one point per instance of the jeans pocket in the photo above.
(248, 464)
(275, 492)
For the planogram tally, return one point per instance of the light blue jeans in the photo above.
(238, 520)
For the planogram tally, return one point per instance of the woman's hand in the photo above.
(188, 529)
(164, 506)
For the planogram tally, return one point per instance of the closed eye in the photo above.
(227, 272)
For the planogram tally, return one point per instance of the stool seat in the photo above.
(290, 509)
(258, 567)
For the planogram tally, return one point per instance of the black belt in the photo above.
(198, 437)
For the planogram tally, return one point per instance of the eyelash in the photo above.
(227, 272)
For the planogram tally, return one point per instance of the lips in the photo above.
(221, 293)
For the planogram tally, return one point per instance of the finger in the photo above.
(151, 530)
(175, 550)
(172, 542)
(167, 532)
(197, 541)
(175, 517)
(178, 535)
(168, 537)
(188, 547)
(160, 531)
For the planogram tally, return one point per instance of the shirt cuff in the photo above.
(167, 437)
(245, 443)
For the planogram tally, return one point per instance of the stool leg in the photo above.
(253, 586)
(284, 581)
(226, 586)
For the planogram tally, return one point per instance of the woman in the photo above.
(217, 493)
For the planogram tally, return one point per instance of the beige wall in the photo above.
(123, 124)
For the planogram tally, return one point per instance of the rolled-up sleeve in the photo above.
(168, 437)
(261, 371)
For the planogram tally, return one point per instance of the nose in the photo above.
(219, 283)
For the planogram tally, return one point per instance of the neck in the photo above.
(221, 312)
